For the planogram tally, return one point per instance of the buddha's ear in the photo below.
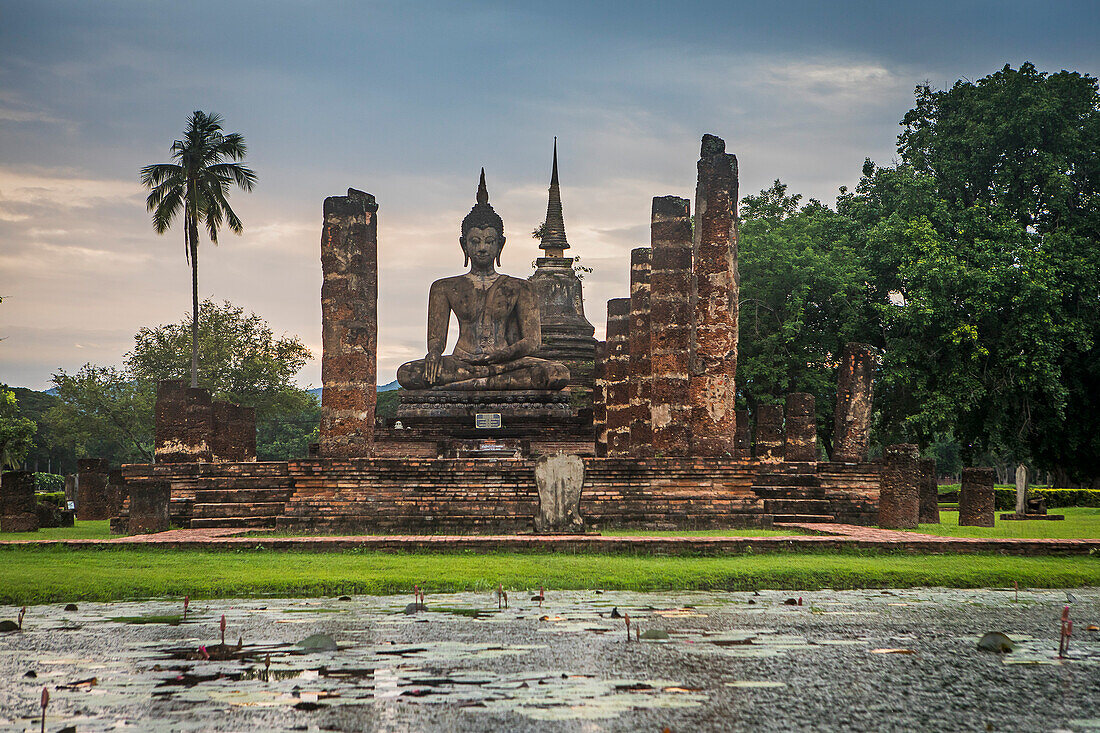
(500, 249)
(465, 254)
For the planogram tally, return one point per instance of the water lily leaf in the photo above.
(892, 651)
(995, 641)
(318, 643)
(755, 683)
(655, 635)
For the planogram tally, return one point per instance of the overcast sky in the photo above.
(407, 100)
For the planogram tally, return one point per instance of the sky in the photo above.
(407, 101)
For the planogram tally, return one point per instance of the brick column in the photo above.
(641, 366)
(184, 419)
(801, 427)
(599, 401)
(91, 500)
(669, 312)
(743, 446)
(116, 492)
(976, 498)
(149, 501)
(713, 367)
(18, 512)
(929, 492)
(854, 396)
(349, 324)
(899, 492)
(769, 432)
(617, 378)
(234, 433)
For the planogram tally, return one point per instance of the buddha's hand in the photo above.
(433, 366)
(498, 356)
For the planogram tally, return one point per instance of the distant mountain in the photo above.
(316, 391)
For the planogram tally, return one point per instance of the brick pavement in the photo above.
(825, 537)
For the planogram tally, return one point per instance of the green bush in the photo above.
(53, 497)
(1006, 498)
(44, 482)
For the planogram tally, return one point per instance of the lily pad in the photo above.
(996, 641)
(318, 643)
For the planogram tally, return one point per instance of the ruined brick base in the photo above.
(423, 495)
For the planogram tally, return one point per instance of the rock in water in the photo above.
(997, 642)
(318, 643)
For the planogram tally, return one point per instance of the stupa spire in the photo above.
(553, 230)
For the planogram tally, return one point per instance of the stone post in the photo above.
(18, 512)
(92, 501)
(714, 292)
(801, 427)
(929, 492)
(116, 492)
(854, 396)
(617, 378)
(70, 488)
(349, 324)
(149, 501)
(977, 498)
(1021, 490)
(669, 312)
(899, 491)
(743, 446)
(599, 401)
(641, 366)
(769, 432)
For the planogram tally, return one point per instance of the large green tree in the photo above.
(196, 187)
(16, 431)
(102, 412)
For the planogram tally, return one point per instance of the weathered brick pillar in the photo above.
(670, 316)
(743, 446)
(349, 324)
(899, 490)
(617, 378)
(599, 401)
(769, 432)
(234, 433)
(17, 503)
(149, 501)
(854, 396)
(713, 367)
(184, 419)
(929, 492)
(801, 427)
(976, 498)
(91, 499)
(641, 366)
(115, 492)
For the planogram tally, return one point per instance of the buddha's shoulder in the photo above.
(450, 283)
(514, 283)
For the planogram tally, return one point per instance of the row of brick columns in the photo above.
(666, 375)
(908, 494)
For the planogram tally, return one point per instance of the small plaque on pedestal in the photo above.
(487, 420)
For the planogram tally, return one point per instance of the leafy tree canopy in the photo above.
(16, 431)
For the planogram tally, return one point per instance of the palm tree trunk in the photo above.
(193, 235)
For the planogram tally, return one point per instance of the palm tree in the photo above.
(197, 185)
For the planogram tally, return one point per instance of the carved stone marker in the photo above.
(1021, 490)
(801, 427)
(899, 491)
(349, 324)
(149, 502)
(559, 479)
(670, 317)
(929, 492)
(713, 367)
(977, 498)
(854, 397)
(92, 501)
(769, 433)
(17, 503)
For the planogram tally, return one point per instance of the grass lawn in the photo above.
(86, 530)
(1080, 523)
(50, 574)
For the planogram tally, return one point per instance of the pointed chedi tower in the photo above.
(567, 335)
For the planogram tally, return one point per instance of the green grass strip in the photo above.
(1079, 523)
(44, 575)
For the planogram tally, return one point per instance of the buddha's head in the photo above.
(482, 230)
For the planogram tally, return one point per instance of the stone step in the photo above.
(786, 479)
(241, 496)
(804, 518)
(789, 492)
(233, 522)
(257, 509)
(797, 506)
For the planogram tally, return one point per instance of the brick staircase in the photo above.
(245, 508)
(794, 494)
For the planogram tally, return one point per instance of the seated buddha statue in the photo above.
(498, 321)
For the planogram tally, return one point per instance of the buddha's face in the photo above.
(483, 246)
